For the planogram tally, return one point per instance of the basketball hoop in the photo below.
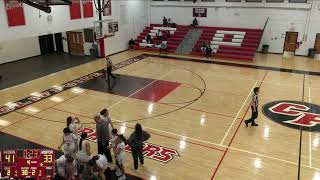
(104, 28)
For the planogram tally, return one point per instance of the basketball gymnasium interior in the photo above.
(190, 72)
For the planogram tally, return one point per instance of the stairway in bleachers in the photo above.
(176, 37)
(230, 43)
(189, 41)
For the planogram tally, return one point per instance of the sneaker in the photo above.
(246, 122)
(254, 124)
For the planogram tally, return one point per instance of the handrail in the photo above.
(264, 27)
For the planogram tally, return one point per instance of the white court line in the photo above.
(125, 98)
(232, 148)
(234, 120)
(310, 150)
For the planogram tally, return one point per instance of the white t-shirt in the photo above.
(69, 145)
(61, 165)
(120, 157)
(112, 140)
(73, 127)
(102, 162)
(122, 147)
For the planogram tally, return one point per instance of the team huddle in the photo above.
(78, 161)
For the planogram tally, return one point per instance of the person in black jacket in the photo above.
(131, 43)
(136, 140)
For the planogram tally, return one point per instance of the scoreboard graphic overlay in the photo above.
(27, 163)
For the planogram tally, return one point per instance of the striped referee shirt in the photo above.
(109, 62)
(255, 100)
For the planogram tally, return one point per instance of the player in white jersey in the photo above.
(69, 142)
(120, 155)
(72, 124)
(84, 154)
(114, 136)
(66, 167)
(100, 164)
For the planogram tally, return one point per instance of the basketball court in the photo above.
(193, 108)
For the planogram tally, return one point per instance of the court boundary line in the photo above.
(234, 135)
(240, 110)
(310, 136)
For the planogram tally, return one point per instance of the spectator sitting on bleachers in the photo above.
(208, 52)
(194, 23)
(165, 22)
(203, 47)
(131, 44)
(168, 34)
(164, 47)
(149, 39)
(159, 34)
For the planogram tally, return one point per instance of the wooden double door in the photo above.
(317, 44)
(290, 43)
(75, 42)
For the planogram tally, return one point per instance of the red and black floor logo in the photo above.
(294, 114)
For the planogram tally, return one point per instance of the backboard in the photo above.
(104, 28)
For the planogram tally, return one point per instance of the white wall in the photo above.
(283, 16)
(19, 49)
(37, 24)
(132, 16)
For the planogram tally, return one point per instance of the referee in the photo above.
(109, 69)
(254, 108)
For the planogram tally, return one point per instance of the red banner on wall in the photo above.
(15, 13)
(75, 10)
(87, 8)
(107, 8)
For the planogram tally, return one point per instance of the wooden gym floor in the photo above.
(193, 109)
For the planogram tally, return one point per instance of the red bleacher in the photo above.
(245, 52)
(172, 42)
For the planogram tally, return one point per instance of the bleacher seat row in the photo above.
(230, 43)
(227, 43)
(176, 36)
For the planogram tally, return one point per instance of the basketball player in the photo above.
(120, 153)
(69, 142)
(254, 108)
(109, 69)
(66, 167)
(100, 164)
(71, 124)
(84, 154)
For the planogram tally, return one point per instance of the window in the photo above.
(88, 35)
(275, 1)
(207, 0)
(233, 0)
(253, 0)
(298, 1)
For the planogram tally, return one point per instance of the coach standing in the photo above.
(103, 133)
(254, 108)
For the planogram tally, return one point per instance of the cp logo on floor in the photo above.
(294, 114)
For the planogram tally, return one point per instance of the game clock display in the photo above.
(27, 163)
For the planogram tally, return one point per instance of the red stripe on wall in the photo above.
(75, 10)
(15, 13)
(87, 8)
